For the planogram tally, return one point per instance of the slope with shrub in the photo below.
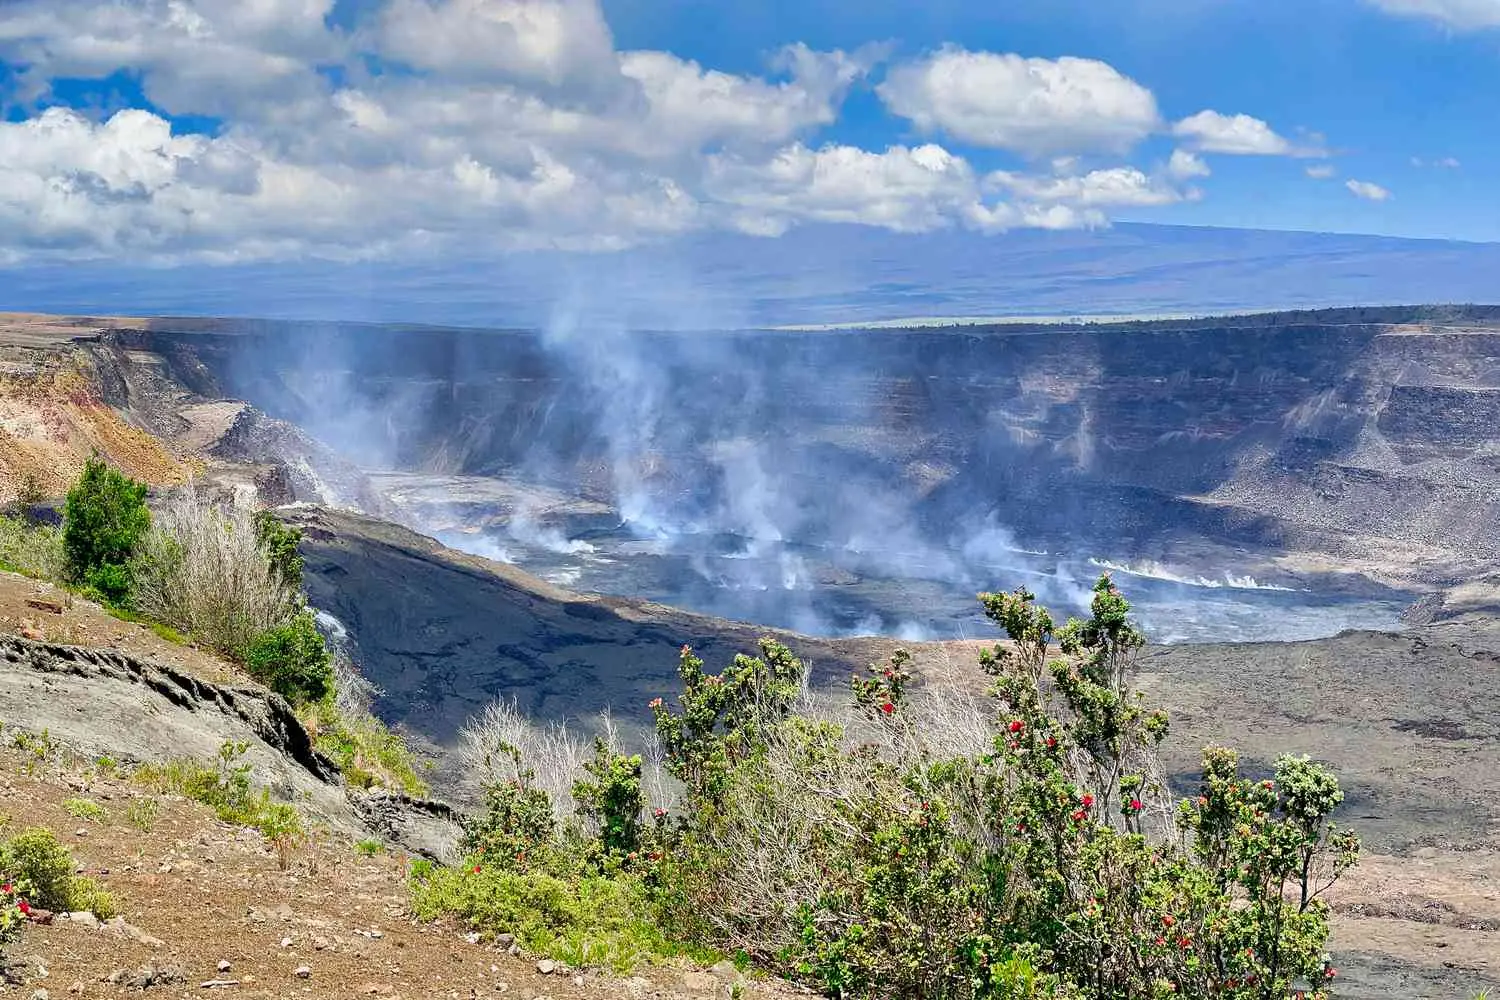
(921, 848)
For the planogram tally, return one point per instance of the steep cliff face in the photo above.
(1340, 440)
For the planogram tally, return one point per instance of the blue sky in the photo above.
(149, 132)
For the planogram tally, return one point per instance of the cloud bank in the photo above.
(263, 129)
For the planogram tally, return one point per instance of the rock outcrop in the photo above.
(98, 702)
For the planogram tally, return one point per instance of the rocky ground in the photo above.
(207, 911)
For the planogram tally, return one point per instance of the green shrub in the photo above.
(610, 796)
(280, 543)
(34, 857)
(293, 660)
(1038, 856)
(43, 868)
(369, 847)
(141, 814)
(226, 788)
(104, 521)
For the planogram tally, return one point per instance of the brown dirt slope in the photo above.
(200, 892)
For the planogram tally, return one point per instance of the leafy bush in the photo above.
(205, 570)
(35, 858)
(610, 797)
(104, 522)
(36, 862)
(926, 850)
(293, 660)
(280, 543)
(369, 847)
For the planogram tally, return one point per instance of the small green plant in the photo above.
(281, 825)
(86, 894)
(225, 787)
(86, 809)
(369, 847)
(104, 521)
(293, 660)
(142, 813)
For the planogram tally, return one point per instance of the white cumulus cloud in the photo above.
(1033, 106)
(1237, 135)
(1185, 165)
(1322, 171)
(1367, 190)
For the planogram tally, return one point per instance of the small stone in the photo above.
(302, 972)
(40, 995)
(472, 937)
(504, 940)
(319, 942)
(286, 942)
(376, 990)
(85, 918)
(546, 966)
(224, 965)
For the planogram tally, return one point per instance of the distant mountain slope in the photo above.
(816, 274)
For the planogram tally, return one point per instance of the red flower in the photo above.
(887, 707)
(24, 907)
(1135, 805)
(476, 869)
(1330, 972)
(1168, 920)
(1052, 743)
(1184, 943)
(1080, 814)
(1088, 801)
(8, 889)
(1017, 725)
(659, 813)
(1268, 785)
(655, 703)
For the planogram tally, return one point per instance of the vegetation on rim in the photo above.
(920, 849)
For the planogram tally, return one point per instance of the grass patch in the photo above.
(86, 809)
(225, 787)
(368, 752)
(369, 847)
(583, 919)
(33, 550)
(141, 814)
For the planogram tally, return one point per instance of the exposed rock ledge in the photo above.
(99, 702)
